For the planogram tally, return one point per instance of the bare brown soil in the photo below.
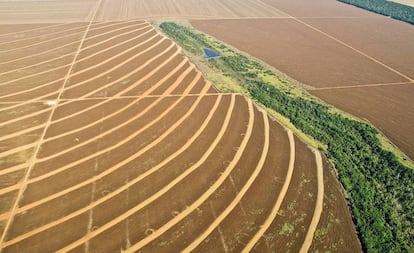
(126, 9)
(136, 150)
(299, 51)
(390, 108)
(350, 48)
(45, 11)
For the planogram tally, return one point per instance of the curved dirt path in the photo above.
(58, 47)
(25, 147)
(34, 29)
(242, 191)
(46, 41)
(90, 79)
(15, 168)
(84, 48)
(102, 151)
(79, 185)
(27, 173)
(136, 208)
(206, 194)
(41, 86)
(123, 188)
(71, 54)
(43, 35)
(263, 228)
(319, 204)
(135, 84)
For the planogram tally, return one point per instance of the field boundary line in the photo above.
(67, 166)
(59, 47)
(242, 191)
(88, 80)
(34, 37)
(12, 169)
(132, 210)
(41, 86)
(210, 191)
(44, 42)
(36, 151)
(359, 86)
(36, 29)
(121, 189)
(104, 101)
(70, 54)
(268, 222)
(347, 45)
(318, 206)
(109, 131)
(107, 85)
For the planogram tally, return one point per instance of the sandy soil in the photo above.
(115, 10)
(299, 51)
(15, 12)
(134, 127)
(390, 108)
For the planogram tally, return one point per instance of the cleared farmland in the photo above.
(125, 9)
(336, 52)
(50, 11)
(112, 140)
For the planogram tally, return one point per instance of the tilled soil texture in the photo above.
(325, 53)
(112, 140)
(390, 108)
(126, 9)
(51, 11)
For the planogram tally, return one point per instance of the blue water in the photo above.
(210, 53)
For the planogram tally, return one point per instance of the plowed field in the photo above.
(111, 140)
(336, 49)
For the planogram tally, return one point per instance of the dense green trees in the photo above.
(384, 7)
(379, 188)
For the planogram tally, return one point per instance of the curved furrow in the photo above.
(11, 188)
(90, 79)
(240, 194)
(103, 102)
(119, 165)
(34, 29)
(318, 206)
(263, 228)
(18, 149)
(96, 26)
(41, 86)
(66, 191)
(127, 106)
(201, 199)
(84, 48)
(56, 48)
(125, 187)
(43, 35)
(103, 134)
(70, 54)
(40, 43)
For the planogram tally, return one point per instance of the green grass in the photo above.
(378, 182)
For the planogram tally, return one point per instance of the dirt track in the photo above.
(350, 48)
(113, 140)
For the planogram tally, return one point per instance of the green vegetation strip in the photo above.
(388, 8)
(379, 185)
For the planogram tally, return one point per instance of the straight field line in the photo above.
(33, 159)
(318, 207)
(345, 44)
(360, 86)
(125, 97)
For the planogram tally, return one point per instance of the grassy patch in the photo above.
(379, 186)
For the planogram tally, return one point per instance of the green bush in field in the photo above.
(380, 189)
